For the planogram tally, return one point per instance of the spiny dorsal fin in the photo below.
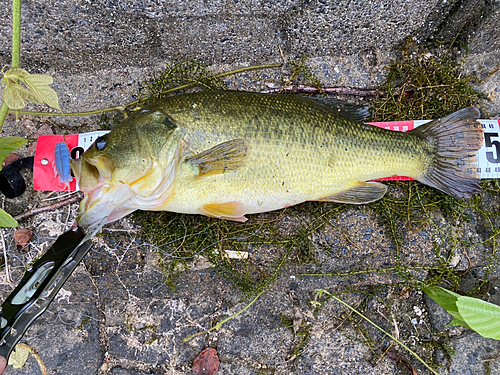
(363, 192)
(224, 157)
(349, 111)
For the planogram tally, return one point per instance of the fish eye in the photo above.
(100, 143)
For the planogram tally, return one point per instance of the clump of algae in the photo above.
(177, 75)
(425, 85)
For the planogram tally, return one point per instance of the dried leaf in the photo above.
(10, 159)
(22, 238)
(19, 357)
(20, 354)
(207, 362)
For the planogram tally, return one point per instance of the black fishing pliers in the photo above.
(39, 286)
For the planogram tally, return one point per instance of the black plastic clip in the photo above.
(11, 181)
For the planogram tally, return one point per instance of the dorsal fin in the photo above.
(349, 111)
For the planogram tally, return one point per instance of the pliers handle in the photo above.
(39, 286)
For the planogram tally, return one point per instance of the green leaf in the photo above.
(472, 313)
(446, 299)
(9, 144)
(39, 79)
(39, 85)
(482, 317)
(7, 221)
(38, 90)
(458, 322)
(18, 357)
(15, 73)
(14, 96)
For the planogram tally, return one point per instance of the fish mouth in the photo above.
(108, 198)
(102, 197)
(102, 205)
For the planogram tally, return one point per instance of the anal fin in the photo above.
(224, 157)
(362, 193)
(230, 211)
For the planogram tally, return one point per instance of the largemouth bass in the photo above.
(228, 154)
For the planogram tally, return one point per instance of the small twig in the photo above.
(396, 329)
(5, 257)
(51, 207)
(342, 90)
(122, 108)
(282, 55)
(67, 218)
(470, 264)
(398, 359)
(385, 351)
(491, 359)
(49, 197)
(494, 71)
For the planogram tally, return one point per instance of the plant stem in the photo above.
(122, 108)
(16, 34)
(219, 325)
(87, 113)
(16, 49)
(319, 291)
(3, 114)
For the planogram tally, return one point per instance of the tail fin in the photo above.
(453, 141)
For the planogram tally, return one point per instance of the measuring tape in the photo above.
(44, 177)
(488, 164)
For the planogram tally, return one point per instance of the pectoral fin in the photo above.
(229, 211)
(225, 157)
(363, 192)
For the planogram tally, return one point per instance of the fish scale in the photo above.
(335, 152)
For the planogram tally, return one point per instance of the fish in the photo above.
(229, 154)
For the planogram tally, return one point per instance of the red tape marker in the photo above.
(44, 176)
